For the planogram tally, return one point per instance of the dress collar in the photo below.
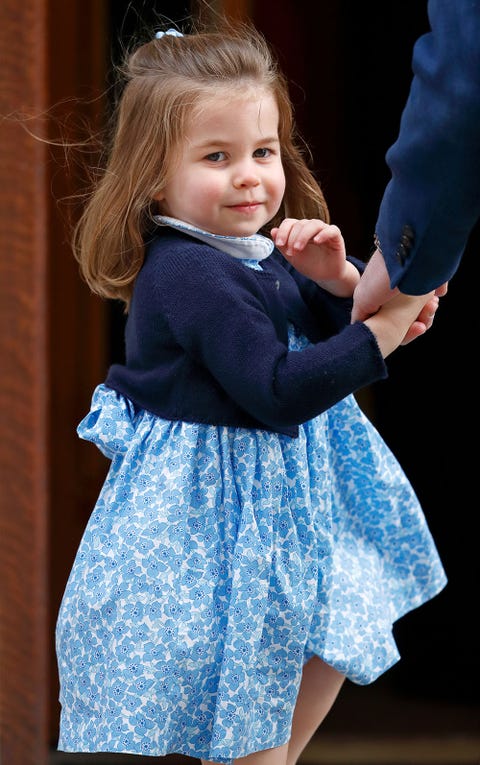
(255, 247)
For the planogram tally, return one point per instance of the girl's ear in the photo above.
(159, 197)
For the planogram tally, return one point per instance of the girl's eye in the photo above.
(262, 153)
(216, 156)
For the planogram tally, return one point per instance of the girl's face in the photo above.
(229, 179)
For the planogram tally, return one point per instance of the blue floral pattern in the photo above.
(216, 562)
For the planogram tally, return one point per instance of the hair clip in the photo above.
(171, 32)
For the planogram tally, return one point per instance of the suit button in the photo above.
(401, 254)
(406, 243)
(277, 284)
(408, 236)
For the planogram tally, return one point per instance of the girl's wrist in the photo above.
(386, 334)
(344, 285)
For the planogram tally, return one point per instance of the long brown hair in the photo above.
(164, 80)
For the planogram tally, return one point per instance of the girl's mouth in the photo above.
(245, 207)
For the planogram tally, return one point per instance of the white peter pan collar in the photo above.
(255, 247)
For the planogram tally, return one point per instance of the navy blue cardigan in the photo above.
(207, 340)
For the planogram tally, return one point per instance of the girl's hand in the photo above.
(393, 322)
(317, 250)
(423, 321)
(373, 291)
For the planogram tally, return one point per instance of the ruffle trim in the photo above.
(111, 427)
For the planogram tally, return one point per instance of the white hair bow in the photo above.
(171, 32)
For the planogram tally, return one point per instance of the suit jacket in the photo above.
(433, 199)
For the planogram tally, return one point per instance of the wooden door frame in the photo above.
(51, 346)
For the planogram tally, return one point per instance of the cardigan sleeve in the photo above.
(331, 311)
(218, 312)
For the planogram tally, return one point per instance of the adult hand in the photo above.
(373, 289)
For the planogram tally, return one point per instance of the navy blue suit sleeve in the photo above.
(433, 199)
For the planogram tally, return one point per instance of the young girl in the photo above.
(255, 539)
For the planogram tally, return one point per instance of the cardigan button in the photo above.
(277, 284)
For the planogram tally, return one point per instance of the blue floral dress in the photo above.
(216, 562)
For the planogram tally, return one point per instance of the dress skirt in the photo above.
(216, 562)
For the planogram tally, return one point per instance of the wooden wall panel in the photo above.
(52, 351)
(24, 479)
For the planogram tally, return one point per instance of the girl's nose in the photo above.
(246, 176)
